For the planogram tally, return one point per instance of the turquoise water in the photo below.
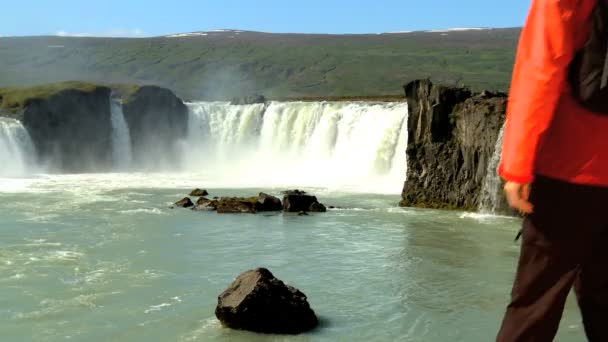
(103, 258)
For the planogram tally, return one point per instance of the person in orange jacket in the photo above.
(555, 164)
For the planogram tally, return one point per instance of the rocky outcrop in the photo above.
(452, 135)
(237, 205)
(184, 203)
(259, 302)
(295, 201)
(262, 203)
(157, 120)
(268, 203)
(199, 192)
(71, 129)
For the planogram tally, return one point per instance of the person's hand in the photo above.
(518, 196)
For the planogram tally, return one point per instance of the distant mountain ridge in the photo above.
(222, 64)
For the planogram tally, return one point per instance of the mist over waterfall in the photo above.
(339, 145)
(16, 149)
(491, 189)
(121, 139)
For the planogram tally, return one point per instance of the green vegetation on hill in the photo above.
(221, 65)
(15, 98)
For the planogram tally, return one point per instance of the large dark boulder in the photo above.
(184, 203)
(199, 192)
(71, 129)
(237, 205)
(317, 208)
(268, 203)
(295, 201)
(157, 120)
(452, 136)
(259, 302)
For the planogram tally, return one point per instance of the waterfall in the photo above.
(491, 189)
(345, 145)
(17, 151)
(121, 139)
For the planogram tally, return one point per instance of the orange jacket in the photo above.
(546, 131)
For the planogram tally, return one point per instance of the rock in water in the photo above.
(204, 204)
(198, 192)
(296, 201)
(268, 203)
(259, 302)
(184, 203)
(317, 208)
(237, 205)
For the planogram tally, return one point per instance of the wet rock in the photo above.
(259, 302)
(199, 192)
(204, 204)
(268, 203)
(293, 192)
(451, 139)
(184, 203)
(237, 205)
(317, 208)
(296, 201)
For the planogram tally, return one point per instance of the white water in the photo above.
(121, 139)
(350, 146)
(16, 149)
(490, 191)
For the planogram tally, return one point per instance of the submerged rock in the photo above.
(199, 192)
(259, 302)
(184, 203)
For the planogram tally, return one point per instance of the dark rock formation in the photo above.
(317, 208)
(198, 192)
(207, 206)
(246, 100)
(204, 204)
(259, 302)
(237, 205)
(452, 136)
(157, 120)
(71, 129)
(268, 203)
(184, 203)
(296, 201)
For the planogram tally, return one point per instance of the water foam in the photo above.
(17, 151)
(352, 146)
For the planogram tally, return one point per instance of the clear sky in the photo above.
(160, 17)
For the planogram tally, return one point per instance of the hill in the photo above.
(223, 64)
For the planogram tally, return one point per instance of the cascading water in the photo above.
(349, 146)
(121, 139)
(491, 191)
(17, 151)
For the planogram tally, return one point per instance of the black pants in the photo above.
(565, 244)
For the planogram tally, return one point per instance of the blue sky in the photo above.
(154, 17)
